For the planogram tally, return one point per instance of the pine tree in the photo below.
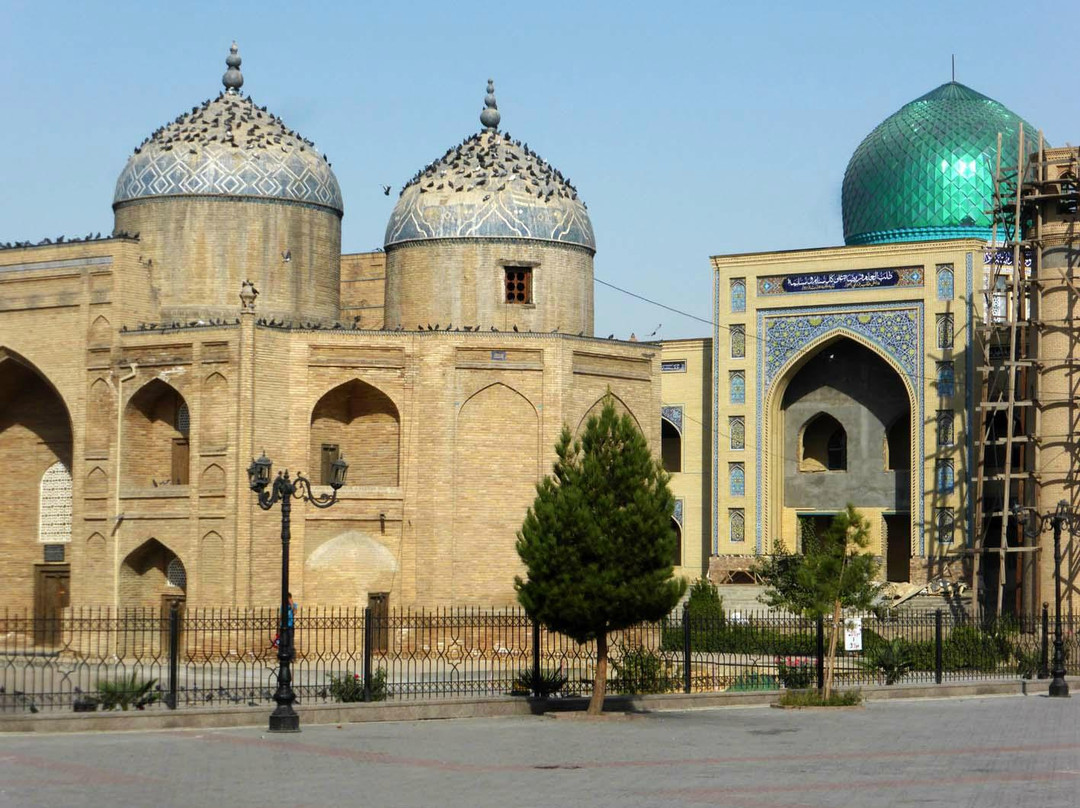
(598, 542)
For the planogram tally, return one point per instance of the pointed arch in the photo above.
(97, 483)
(822, 444)
(620, 408)
(212, 479)
(155, 424)
(356, 420)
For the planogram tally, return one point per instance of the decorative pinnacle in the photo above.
(233, 78)
(490, 117)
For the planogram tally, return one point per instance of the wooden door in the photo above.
(180, 461)
(379, 603)
(52, 588)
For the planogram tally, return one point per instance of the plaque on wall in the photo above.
(54, 553)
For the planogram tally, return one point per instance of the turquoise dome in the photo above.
(927, 172)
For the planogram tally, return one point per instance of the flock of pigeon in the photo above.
(493, 162)
(230, 119)
(18, 245)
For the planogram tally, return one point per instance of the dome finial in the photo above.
(490, 117)
(233, 78)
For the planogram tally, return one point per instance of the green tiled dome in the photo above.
(927, 172)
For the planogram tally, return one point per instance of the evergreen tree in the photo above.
(597, 542)
(835, 572)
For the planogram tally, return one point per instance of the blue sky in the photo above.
(690, 129)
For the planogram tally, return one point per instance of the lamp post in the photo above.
(1059, 688)
(284, 490)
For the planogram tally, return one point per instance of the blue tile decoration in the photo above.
(738, 296)
(674, 415)
(677, 513)
(895, 329)
(737, 479)
(738, 342)
(945, 283)
(737, 387)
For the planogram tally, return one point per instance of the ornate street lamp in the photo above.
(1059, 517)
(284, 490)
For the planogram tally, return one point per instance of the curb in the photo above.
(493, 707)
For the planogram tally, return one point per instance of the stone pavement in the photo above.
(991, 751)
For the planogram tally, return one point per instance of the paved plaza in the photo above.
(999, 751)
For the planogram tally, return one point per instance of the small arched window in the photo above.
(737, 523)
(677, 558)
(946, 477)
(737, 432)
(823, 445)
(946, 379)
(737, 479)
(183, 419)
(945, 282)
(737, 387)
(946, 525)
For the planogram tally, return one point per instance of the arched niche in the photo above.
(100, 416)
(343, 570)
(212, 579)
(156, 437)
(212, 479)
(215, 403)
(149, 573)
(100, 331)
(822, 444)
(360, 422)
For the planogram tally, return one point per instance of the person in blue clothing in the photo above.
(290, 617)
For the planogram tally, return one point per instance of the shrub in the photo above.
(1027, 663)
(796, 673)
(892, 660)
(350, 687)
(550, 683)
(126, 692)
(813, 698)
(639, 670)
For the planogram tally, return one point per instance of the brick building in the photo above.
(136, 384)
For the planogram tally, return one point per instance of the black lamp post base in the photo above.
(1059, 688)
(284, 720)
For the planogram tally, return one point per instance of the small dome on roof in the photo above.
(927, 171)
(229, 147)
(490, 186)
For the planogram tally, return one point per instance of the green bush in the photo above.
(1027, 663)
(350, 687)
(126, 692)
(639, 670)
(550, 683)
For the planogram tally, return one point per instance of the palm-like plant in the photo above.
(126, 692)
(891, 659)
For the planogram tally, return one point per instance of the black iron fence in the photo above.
(90, 659)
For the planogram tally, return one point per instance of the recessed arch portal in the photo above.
(851, 379)
(156, 435)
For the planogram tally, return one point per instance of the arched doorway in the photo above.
(846, 430)
(157, 429)
(35, 456)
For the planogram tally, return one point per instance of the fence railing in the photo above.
(144, 658)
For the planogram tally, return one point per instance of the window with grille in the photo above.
(944, 330)
(946, 379)
(946, 525)
(737, 524)
(55, 512)
(183, 419)
(737, 432)
(518, 284)
(945, 427)
(175, 574)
